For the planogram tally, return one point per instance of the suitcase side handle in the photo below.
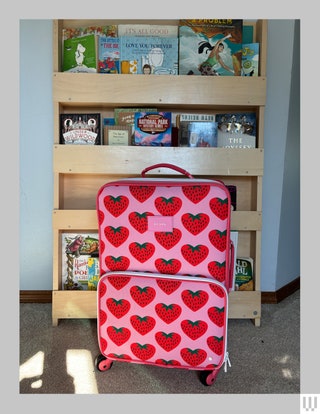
(164, 165)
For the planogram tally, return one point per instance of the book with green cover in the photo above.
(80, 54)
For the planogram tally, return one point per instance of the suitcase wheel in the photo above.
(103, 363)
(208, 377)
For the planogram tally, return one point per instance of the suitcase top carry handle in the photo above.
(164, 165)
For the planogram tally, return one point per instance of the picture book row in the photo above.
(149, 127)
(81, 271)
(207, 47)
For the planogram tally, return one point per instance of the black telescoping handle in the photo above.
(164, 165)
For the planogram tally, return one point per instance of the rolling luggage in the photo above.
(166, 262)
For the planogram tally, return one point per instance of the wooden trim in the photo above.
(45, 296)
(35, 296)
(282, 293)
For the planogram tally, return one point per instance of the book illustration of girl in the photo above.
(218, 55)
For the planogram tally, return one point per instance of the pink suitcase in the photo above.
(165, 266)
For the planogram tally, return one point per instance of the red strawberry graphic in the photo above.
(143, 352)
(117, 263)
(116, 205)
(102, 317)
(142, 295)
(100, 217)
(142, 324)
(219, 207)
(194, 254)
(168, 286)
(168, 239)
(120, 356)
(141, 192)
(194, 330)
(216, 344)
(194, 300)
(101, 246)
(142, 252)
(171, 266)
(195, 223)
(193, 357)
(118, 282)
(168, 206)
(218, 239)
(168, 341)
(217, 290)
(168, 313)
(216, 315)
(102, 289)
(217, 270)
(118, 335)
(116, 235)
(196, 193)
(118, 308)
(171, 362)
(103, 344)
(139, 221)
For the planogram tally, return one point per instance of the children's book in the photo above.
(149, 55)
(244, 273)
(250, 59)
(237, 130)
(110, 30)
(108, 55)
(182, 123)
(153, 129)
(210, 47)
(159, 30)
(80, 261)
(81, 129)
(80, 54)
(202, 134)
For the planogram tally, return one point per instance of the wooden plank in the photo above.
(169, 90)
(131, 160)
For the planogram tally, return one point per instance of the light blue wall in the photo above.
(281, 191)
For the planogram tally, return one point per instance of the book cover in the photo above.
(233, 196)
(109, 30)
(152, 128)
(159, 30)
(250, 59)
(80, 54)
(117, 135)
(182, 122)
(234, 236)
(108, 55)
(125, 116)
(80, 129)
(244, 273)
(237, 130)
(79, 252)
(150, 55)
(210, 47)
(202, 134)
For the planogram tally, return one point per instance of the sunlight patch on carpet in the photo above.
(81, 367)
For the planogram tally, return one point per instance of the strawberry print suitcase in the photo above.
(165, 272)
(168, 321)
(165, 225)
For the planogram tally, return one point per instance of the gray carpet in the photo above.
(60, 360)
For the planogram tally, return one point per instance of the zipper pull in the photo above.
(226, 362)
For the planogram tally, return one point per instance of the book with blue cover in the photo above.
(153, 129)
(108, 55)
(210, 47)
(149, 55)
